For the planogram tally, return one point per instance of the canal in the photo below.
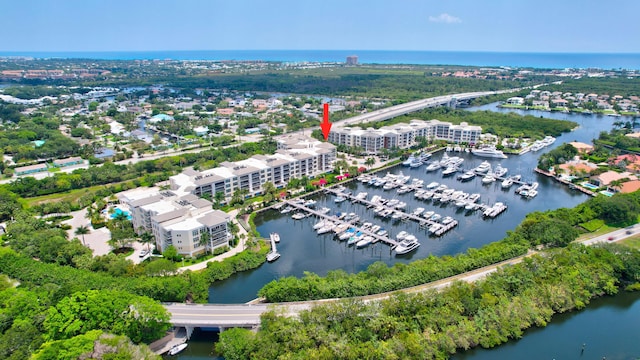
(303, 250)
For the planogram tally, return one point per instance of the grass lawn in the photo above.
(603, 230)
(71, 195)
(632, 242)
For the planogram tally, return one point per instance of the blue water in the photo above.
(534, 60)
(120, 211)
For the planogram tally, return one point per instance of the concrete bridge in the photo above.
(446, 100)
(221, 317)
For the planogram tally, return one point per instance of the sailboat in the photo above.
(273, 255)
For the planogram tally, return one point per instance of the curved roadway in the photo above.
(248, 315)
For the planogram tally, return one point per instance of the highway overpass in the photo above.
(406, 108)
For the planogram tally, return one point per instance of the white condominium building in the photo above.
(178, 220)
(296, 157)
(403, 136)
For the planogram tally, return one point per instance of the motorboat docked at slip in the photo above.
(176, 349)
(483, 167)
(408, 244)
(467, 176)
(489, 151)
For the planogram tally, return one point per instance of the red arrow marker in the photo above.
(325, 125)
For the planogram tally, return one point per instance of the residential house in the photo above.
(582, 148)
(606, 178)
(30, 169)
(68, 162)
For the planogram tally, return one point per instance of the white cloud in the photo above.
(445, 18)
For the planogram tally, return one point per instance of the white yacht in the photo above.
(449, 170)
(407, 245)
(432, 185)
(298, 216)
(275, 237)
(401, 235)
(500, 171)
(488, 179)
(366, 240)
(467, 176)
(483, 167)
(428, 214)
(433, 166)
(506, 183)
(347, 234)
(409, 160)
(418, 211)
(489, 151)
(273, 255)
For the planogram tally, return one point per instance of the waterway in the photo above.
(302, 250)
(608, 329)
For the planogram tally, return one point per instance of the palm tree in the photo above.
(82, 231)
(146, 238)
(219, 198)
(205, 239)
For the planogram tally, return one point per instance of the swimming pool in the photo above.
(606, 193)
(589, 186)
(120, 211)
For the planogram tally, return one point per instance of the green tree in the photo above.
(82, 230)
(138, 317)
(83, 347)
(171, 253)
(235, 344)
(146, 238)
(205, 240)
(160, 267)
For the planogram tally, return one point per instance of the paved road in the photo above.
(249, 314)
(218, 315)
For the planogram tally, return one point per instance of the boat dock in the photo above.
(387, 240)
(404, 215)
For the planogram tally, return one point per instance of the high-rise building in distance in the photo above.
(352, 60)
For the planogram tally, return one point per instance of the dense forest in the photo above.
(434, 325)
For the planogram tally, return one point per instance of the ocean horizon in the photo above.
(630, 61)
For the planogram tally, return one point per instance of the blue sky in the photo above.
(463, 25)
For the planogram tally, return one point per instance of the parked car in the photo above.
(143, 253)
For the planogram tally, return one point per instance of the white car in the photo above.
(143, 253)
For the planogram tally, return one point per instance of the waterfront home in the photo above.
(628, 187)
(582, 148)
(606, 178)
(631, 162)
(576, 166)
(516, 100)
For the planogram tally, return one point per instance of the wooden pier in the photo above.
(376, 237)
(421, 220)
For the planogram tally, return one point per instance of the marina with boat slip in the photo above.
(381, 214)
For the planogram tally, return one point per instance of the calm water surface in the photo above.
(302, 250)
(608, 328)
